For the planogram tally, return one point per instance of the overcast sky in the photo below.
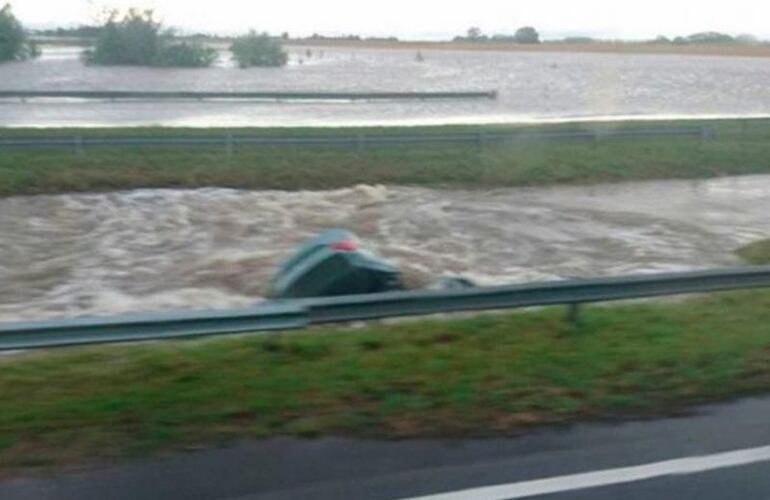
(427, 18)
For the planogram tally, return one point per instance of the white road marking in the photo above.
(559, 484)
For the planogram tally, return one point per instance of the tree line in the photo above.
(529, 35)
(14, 44)
(525, 35)
(136, 38)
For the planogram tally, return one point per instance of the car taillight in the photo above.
(345, 246)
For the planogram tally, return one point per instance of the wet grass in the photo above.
(489, 375)
(741, 147)
(757, 253)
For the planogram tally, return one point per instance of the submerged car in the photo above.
(334, 263)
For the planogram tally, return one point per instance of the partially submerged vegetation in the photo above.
(740, 147)
(258, 49)
(490, 375)
(526, 38)
(757, 253)
(137, 39)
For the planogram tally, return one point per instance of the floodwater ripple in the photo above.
(156, 249)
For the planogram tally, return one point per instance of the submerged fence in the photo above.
(272, 96)
(301, 313)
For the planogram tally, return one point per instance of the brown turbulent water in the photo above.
(89, 254)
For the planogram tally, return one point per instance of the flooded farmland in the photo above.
(532, 87)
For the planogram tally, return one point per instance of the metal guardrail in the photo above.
(297, 314)
(161, 326)
(358, 141)
(275, 96)
(580, 291)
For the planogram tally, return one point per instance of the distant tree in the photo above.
(258, 49)
(474, 33)
(14, 45)
(661, 39)
(285, 35)
(527, 34)
(679, 41)
(137, 39)
(710, 37)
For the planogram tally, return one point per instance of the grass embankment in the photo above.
(741, 147)
(600, 47)
(490, 375)
(757, 253)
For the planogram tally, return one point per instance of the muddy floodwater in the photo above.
(90, 254)
(532, 87)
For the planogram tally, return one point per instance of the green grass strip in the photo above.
(741, 147)
(492, 374)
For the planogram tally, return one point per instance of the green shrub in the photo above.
(186, 54)
(258, 49)
(138, 40)
(527, 34)
(14, 45)
(710, 37)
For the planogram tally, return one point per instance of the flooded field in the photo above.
(87, 254)
(532, 87)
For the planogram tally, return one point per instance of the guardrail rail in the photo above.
(301, 313)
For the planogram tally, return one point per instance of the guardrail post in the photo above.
(480, 141)
(573, 314)
(229, 146)
(78, 140)
(707, 134)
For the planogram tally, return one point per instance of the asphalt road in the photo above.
(719, 452)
